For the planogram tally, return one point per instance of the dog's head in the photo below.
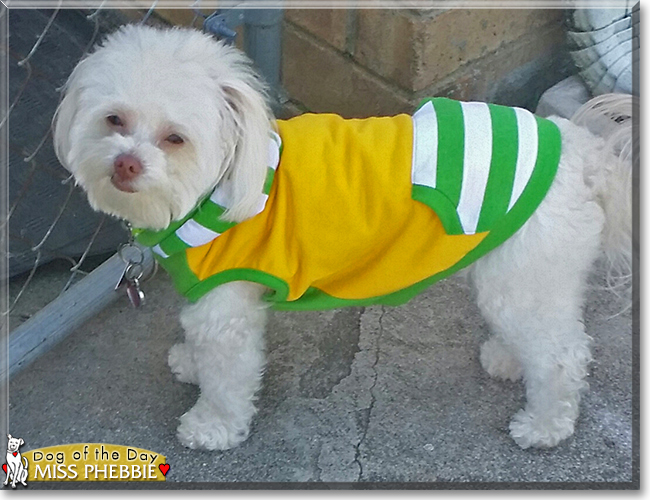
(154, 119)
(14, 443)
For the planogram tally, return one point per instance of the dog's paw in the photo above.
(201, 429)
(498, 362)
(528, 429)
(181, 362)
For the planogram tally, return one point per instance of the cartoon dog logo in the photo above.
(16, 466)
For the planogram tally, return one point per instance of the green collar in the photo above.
(150, 238)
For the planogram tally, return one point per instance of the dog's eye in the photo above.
(115, 120)
(174, 139)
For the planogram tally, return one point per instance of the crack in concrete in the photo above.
(343, 379)
(366, 412)
(316, 464)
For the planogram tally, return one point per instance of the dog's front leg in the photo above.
(225, 331)
(13, 473)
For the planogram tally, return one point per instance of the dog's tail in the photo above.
(610, 117)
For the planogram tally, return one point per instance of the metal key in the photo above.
(122, 278)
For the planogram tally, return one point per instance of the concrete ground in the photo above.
(351, 396)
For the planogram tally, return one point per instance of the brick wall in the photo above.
(360, 62)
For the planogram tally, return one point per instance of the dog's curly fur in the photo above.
(530, 289)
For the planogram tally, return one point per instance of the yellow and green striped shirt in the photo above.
(372, 211)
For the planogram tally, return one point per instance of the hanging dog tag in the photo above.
(131, 277)
(135, 294)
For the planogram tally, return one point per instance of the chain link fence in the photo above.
(49, 220)
(53, 237)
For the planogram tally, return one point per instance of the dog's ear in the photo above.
(22, 442)
(64, 116)
(245, 131)
(8, 436)
(247, 171)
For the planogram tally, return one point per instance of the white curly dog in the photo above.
(17, 465)
(190, 114)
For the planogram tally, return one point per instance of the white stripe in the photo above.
(276, 137)
(194, 234)
(476, 163)
(159, 251)
(262, 203)
(274, 150)
(220, 197)
(425, 146)
(527, 154)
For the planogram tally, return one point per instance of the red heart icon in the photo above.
(164, 468)
(15, 453)
(4, 468)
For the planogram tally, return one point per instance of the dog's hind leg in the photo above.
(225, 329)
(554, 368)
(23, 476)
(499, 361)
(539, 333)
(530, 290)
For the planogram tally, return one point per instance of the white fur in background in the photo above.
(190, 114)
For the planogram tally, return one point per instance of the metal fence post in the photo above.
(263, 42)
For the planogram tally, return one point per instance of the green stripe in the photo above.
(209, 215)
(501, 178)
(270, 175)
(151, 238)
(451, 144)
(279, 288)
(441, 205)
(173, 244)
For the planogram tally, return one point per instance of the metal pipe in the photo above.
(263, 42)
(55, 321)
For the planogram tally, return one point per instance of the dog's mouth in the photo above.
(123, 185)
